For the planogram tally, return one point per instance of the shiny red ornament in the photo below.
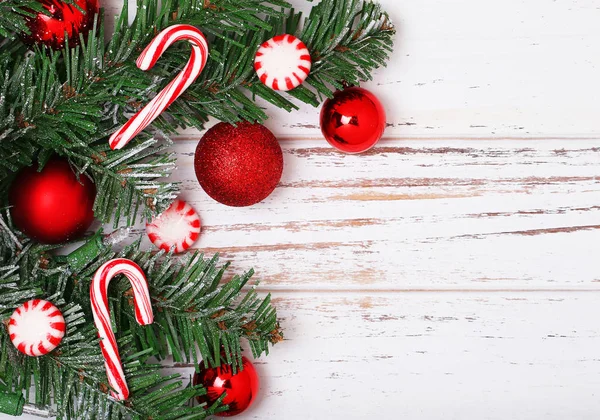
(52, 206)
(238, 165)
(63, 17)
(353, 121)
(241, 388)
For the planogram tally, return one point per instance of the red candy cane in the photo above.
(169, 94)
(99, 299)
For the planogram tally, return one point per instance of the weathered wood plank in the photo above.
(433, 356)
(417, 215)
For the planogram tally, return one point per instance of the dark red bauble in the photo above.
(50, 29)
(241, 388)
(238, 165)
(52, 206)
(353, 120)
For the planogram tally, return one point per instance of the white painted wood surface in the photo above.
(452, 272)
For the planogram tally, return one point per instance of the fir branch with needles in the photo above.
(67, 103)
(70, 101)
(13, 14)
(197, 317)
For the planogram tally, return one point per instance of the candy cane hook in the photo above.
(174, 89)
(99, 299)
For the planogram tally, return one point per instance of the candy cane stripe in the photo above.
(99, 301)
(175, 88)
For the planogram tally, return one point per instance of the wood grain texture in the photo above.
(433, 356)
(452, 272)
(417, 215)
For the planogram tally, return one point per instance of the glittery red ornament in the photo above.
(52, 206)
(241, 388)
(238, 165)
(63, 17)
(353, 121)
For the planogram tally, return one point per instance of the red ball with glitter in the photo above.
(241, 387)
(353, 121)
(238, 165)
(49, 28)
(53, 205)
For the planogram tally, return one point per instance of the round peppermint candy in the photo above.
(178, 227)
(36, 327)
(283, 62)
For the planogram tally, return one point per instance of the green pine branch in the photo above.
(348, 40)
(13, 14)
(196, 317)
(69, 102)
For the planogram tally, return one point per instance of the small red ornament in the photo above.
(63, 17)
(353, 121)
(241, 388)
(238, 165)
(52, 206)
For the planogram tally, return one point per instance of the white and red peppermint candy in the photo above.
(99, 301)
(175, 88)
(36, 328)
(283, 62)
(178, 227)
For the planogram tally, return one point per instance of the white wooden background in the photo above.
(452, 272)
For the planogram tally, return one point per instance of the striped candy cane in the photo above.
(169, 94)
(99, 299)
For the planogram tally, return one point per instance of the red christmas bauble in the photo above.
(52, 206)
(63, 17)
(353, 120)
(241, 388)
(238, 165)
